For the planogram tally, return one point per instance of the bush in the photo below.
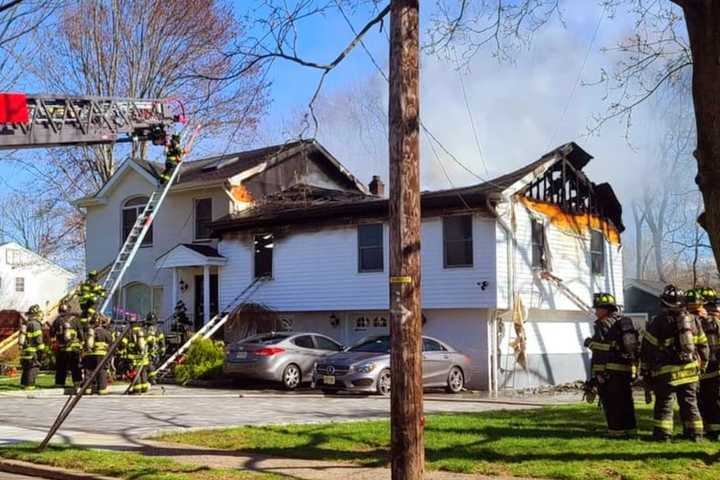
(203, 360)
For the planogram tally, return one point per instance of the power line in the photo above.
(579, 76)
(470, 115)
(422, 124)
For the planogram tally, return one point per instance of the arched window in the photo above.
(131, 210)
(141, 299)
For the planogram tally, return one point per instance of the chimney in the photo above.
(377, 187)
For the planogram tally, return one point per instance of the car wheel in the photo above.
(383, 383)
(456, 380)
(291, 377)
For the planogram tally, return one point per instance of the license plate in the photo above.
(241, 355)
(328, 380)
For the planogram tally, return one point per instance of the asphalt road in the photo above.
(123, 420)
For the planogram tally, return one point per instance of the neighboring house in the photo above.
(178, 259)
(643, 296)
(27, 279)
(324, 254)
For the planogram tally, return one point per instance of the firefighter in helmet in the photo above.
(674, 352)
(173, 155)
(90, 293)
(615, 350)
(97, 344)
(137, 354)
(156, 345)
(66, 333)
(32, 346)
(709, 393)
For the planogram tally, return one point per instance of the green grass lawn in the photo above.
(12, 384)
(123, 465)
(563, 442)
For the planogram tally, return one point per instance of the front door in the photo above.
(199, 296)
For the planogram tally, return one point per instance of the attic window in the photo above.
(597, 252)
(264, 246)
(538, 245)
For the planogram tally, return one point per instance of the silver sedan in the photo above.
(285, 357)
(365, 367)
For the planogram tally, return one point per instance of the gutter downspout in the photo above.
(510, 255)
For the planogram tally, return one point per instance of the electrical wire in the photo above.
(422, 124)
(469, 112)
(580, 73)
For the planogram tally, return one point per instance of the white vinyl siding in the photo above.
(317, 270)
(569, 259)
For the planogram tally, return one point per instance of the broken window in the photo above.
(458, 241)
(539, 260)
(370, 247)
(132, 209)
(203, 218)
(263, 255)
(597, 252)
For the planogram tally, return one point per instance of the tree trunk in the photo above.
(703, 23)
(406, 404)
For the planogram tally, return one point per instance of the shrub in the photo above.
(203, 360)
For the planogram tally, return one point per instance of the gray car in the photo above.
(285, 357)
(365, 367)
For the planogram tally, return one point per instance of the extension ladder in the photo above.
(135, 239)
(214, 323)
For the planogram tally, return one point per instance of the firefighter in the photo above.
(90, 293)
(97, 344)
(32, 347)
(674, 352)
(709, 394)
(172, 157)
(137, 354)
(66, 333)
(156, 345)
(615, 349)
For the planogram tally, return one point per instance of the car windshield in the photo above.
(374, 345)
(266, 339)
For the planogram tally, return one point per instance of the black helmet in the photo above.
(694, 297)
(604, 300)
(34, 310)
(151, 318)
(93, 275)
(672, 297)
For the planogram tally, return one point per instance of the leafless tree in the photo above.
(152, 49)
(39, 225)
(17, 19)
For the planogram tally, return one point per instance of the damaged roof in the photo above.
(225, 166)
(306, 204)
(199, 173)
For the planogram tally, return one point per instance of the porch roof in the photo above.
(190, 255)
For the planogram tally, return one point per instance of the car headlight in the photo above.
(365, 368)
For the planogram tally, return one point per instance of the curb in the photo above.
(46, 471)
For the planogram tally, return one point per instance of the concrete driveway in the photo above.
(118, 421)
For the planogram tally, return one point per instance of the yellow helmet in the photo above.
(604, 300)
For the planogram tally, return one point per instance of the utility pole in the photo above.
(406, 403)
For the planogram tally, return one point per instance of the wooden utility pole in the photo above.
(407, 450)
